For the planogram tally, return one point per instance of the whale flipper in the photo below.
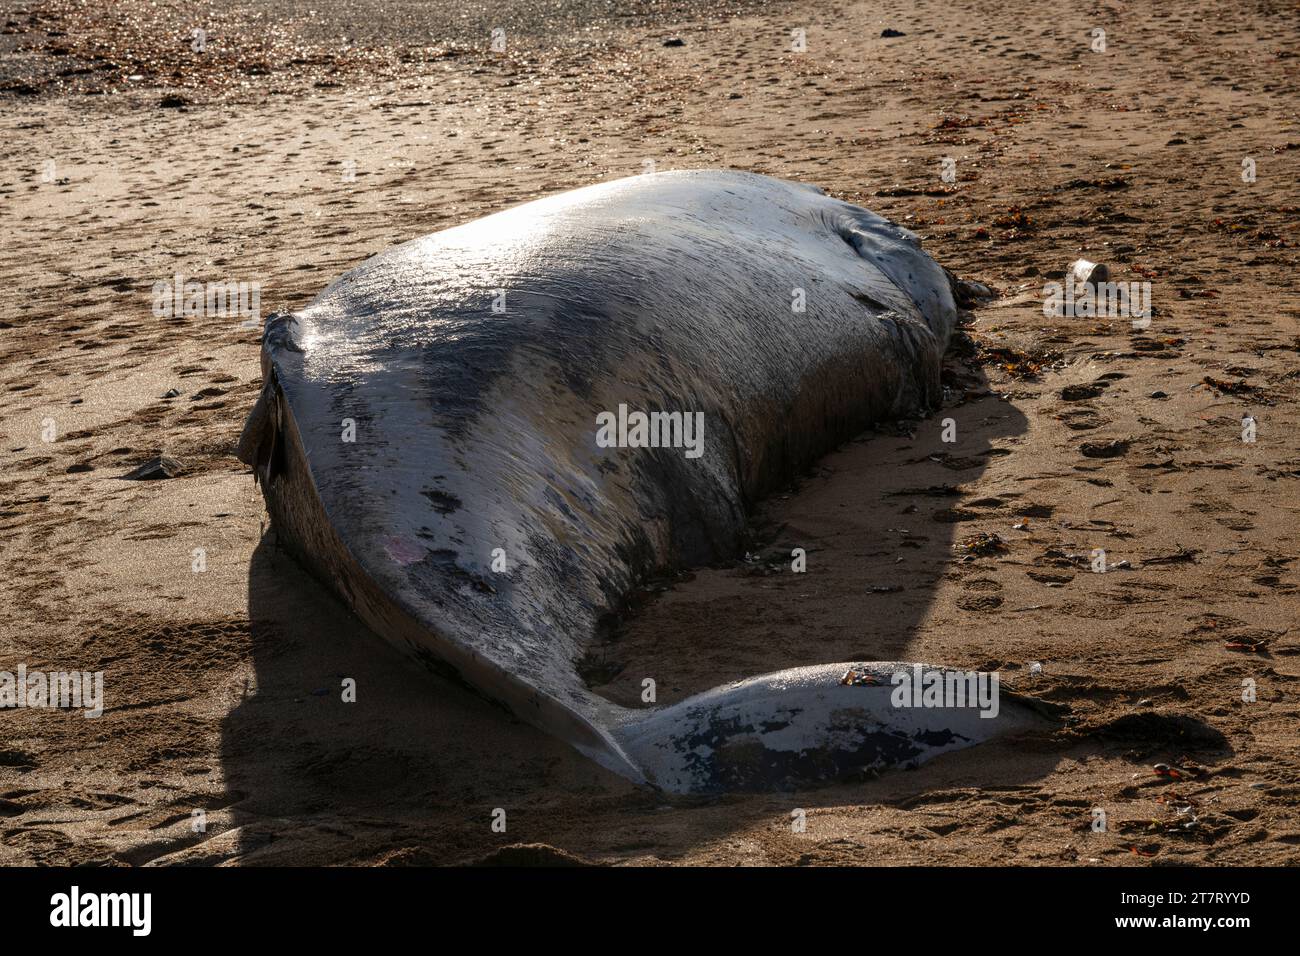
(811, 725)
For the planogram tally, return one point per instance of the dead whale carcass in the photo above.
(482, 440)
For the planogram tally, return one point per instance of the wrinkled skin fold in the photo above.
(435, 409)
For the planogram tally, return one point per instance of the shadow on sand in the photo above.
(412, 771)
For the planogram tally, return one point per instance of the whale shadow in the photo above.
(420, 769)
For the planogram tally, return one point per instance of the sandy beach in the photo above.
(295, 144)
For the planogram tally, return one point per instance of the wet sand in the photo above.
(1074, 434)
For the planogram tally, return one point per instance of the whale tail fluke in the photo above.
(815, 725)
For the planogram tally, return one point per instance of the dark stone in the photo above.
(164, 466)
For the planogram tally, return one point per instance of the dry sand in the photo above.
(222, 686)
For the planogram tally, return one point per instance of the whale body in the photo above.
(484, 439)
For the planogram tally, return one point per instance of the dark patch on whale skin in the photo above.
(461, 358)
(442, 565)
(578, 373)
(443, 503)
(727, 755)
